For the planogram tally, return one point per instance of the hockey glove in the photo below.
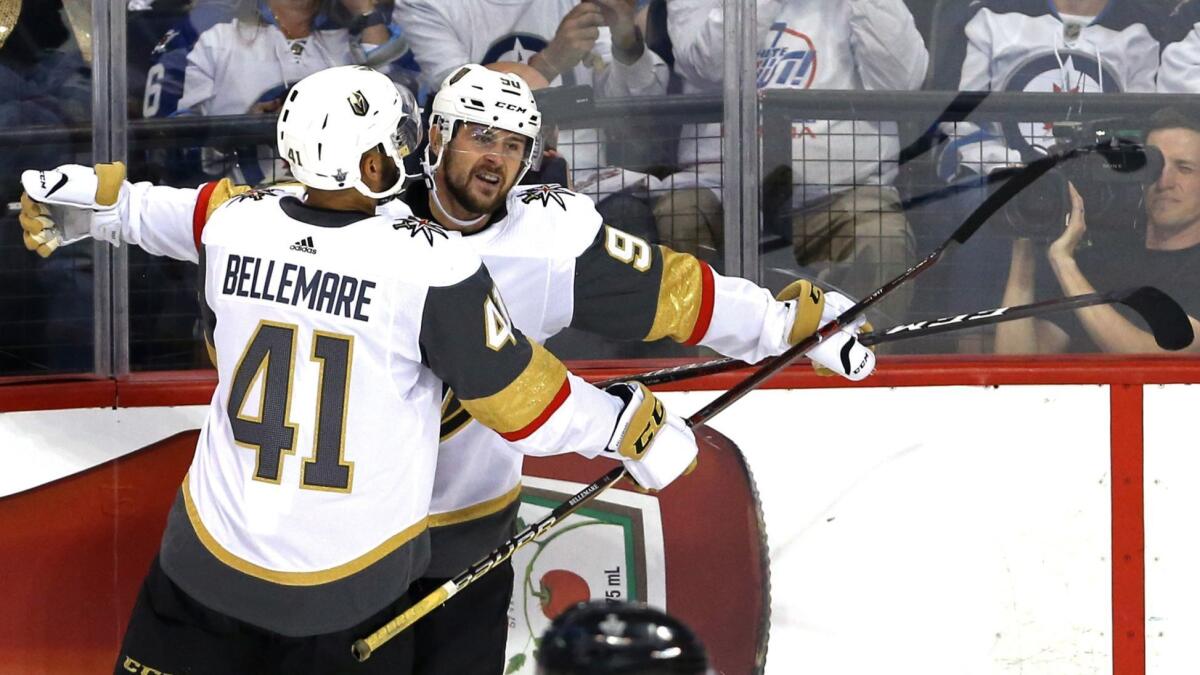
(69, 203)
(655, 446)
(841, 352)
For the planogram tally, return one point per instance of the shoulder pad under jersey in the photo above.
(431, 255)
(556, 220)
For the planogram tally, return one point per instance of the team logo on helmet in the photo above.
(359, 104)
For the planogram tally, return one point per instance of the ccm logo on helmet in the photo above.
(511, 106)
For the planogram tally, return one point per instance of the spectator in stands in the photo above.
(1067, 46)
(242, 59)
(1077, 46)
(1166, 255)
(1179, 72)
(46, 82)
(846, 221)
(43, 74)
(569, 42)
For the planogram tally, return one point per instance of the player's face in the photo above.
(1173, 202)
(482, 166)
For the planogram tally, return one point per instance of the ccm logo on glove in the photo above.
(649, 428)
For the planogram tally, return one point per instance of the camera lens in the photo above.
(1037, 211)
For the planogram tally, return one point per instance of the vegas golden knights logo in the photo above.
(358, 103)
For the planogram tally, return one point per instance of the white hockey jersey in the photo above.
(557, 265)
(235, 65)
(445, 35)
(1179, 72)
(804, 44)
(1025, 45)
(305, 507)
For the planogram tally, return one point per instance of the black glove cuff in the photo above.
(622, 390)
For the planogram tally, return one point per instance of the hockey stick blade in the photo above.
(1170, 324)
(1166, 319)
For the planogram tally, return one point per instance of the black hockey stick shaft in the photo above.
(363, 648)
(1167, 321)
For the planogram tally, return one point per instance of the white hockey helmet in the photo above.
(476, 94)
(330, 118)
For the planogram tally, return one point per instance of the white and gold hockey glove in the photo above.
(69, 203)
(841, 352)
(655, 446)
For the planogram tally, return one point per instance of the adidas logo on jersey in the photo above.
(305, 245)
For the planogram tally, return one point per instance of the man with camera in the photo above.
(1165, 253)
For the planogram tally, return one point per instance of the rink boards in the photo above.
(951, 518)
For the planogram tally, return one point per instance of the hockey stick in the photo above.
(363, 648)
(1165, 318)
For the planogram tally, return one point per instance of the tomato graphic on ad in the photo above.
(561, 589)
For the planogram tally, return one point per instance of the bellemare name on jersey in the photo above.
(292, 284)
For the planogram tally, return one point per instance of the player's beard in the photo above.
(460, 189)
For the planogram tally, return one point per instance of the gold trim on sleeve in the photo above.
(525, 398)
(680, 296)
(223, 192)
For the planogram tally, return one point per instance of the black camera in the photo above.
(1109, 167)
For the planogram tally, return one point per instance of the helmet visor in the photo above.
(407, 135)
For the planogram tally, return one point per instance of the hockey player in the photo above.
(558, 266)
(561, 266)
(606, 638)
(303, 517)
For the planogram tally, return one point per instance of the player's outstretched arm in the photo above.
(523, 392)
(627, 289)
(72, 202)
